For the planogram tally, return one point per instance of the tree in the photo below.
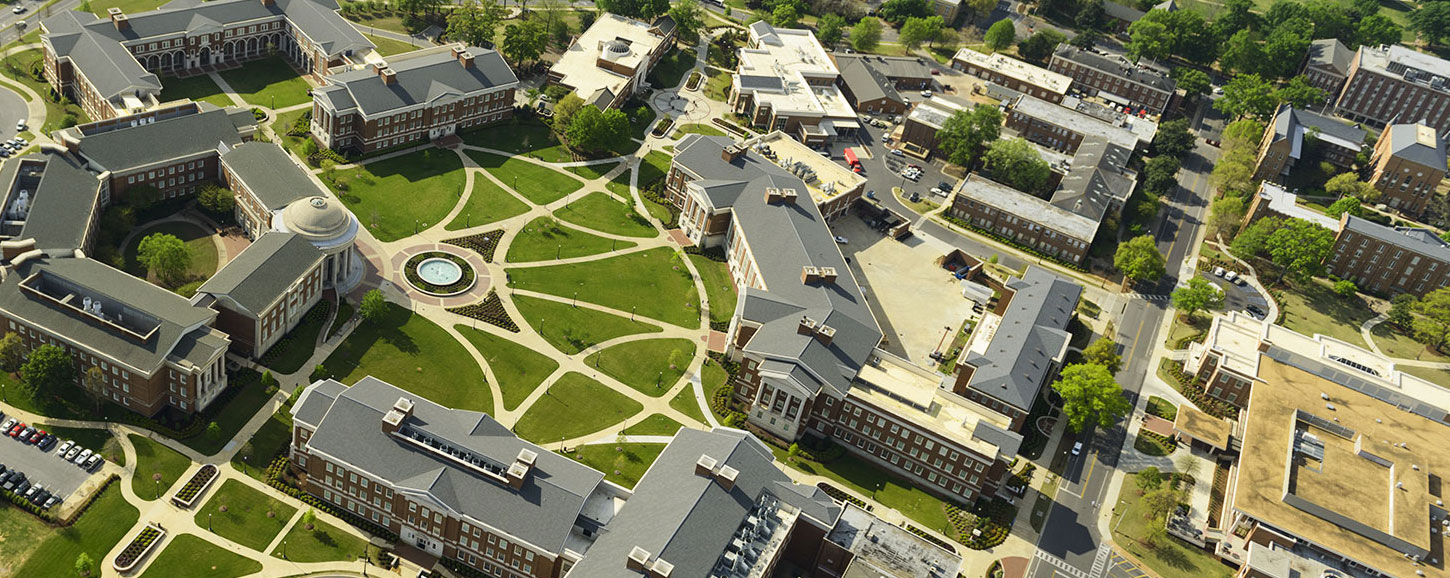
(965, 134)
(1198, 295)
(1236, 15)
(1160, 503)
(564, 111)
(897, 12)
(785, 15)
(830, 28)
(1104, 352)
(269, 381)
(1090, 396)
(1193, 81)
(373, 306)
(1432, 327)
(1160, 174)
(309, 518)
(142, 196)
(592, 130)
(1139, 259)
(1283, 50)
(213, 431)
(689, 19)
(1225, 215)
(216, 200)
(1349, 185)
(1254, 240)
(1242, 53)
(85, 566)
(979, 8)
(1300, 94)
(523, 43)
(1088, 38)
(1345, 205)
(1038, 47)
(919, 30)
(1150, 479)
(645, 10)
(475, 22)
(1345, 288)
(1432, 21)
(1149, 39)
(48, 369)
(1001, 35)
(1401, 311)
(12, 352)
(94, 382)
(1015, 163)
(165, 255)
(1299, 248)
(1247, 95)
(866, 35)
(1377, 29)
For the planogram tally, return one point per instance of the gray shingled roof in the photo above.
(689, 520)
(542, 512)
(108, 66)
(1404, 143)
(174, 315)
(62, 205)
(139, 146)
(1330, 53)
(1122, 12)
(419, 79)
(1422, 241)
(1291, 123)
(786, 238)
(865, 82)
(1097, 179)
(1117, 66)
(263, 271)
(1031, 334)
(270, 174)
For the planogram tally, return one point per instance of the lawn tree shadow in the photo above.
(324, 538)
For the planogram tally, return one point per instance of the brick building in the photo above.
(1326, 65)
(608, 63)
(1390, 83)
(413, 97)
(1013, 74)
(1061, 127)
(1116, 79)
(112, 66)
(786, 81)
(1285, 143)
(1388, 261)
(872, 84)
(265, 291)
(926, 119)
(1408, 164)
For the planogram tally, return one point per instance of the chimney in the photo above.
(519, 470)
(119, 19)
(810, 274)
(806, 327)
(732, 153)
(465, 58)
(772, 195)
(828, 274)
(705, 466)
(726, 476)
(825, 334)
(661, 569)
(11, 249)
(395, 416)
(638, 558)
(787, 196)
(387, 74)
(457, 49)
(269, 3)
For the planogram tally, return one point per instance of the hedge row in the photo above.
(1013, 243)
(1186, 384)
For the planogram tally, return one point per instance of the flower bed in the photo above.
(490, 311)
(840, 495)
(140, 546)
(187, 496)
(464, 282)
(483, 243)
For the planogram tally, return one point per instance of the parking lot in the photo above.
(59, 476)
(919, 300)
(1237, 297)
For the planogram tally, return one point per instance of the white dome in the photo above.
(317, 218)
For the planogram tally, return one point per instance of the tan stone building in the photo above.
(1408, 164)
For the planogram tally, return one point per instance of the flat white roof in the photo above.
(1013, 68)
(623, 40)
(1285, 203)
(784, 51)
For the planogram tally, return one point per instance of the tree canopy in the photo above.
(475, 22)
(897, 12)
(165, 255)
(1432, 21)
(1104, 352)
(373, 306)
(645, 10)
(919, 30)
(964, 135)
(830, 28)
(524, 42)
(1090, 396)
(593, 130)
(1015, 162)
(1199, 295)
(1225, 215)
(689, 19)
(1174, 138)
(1139, 259)
(48, 369)
(1038, 48)
(1299, 247)
(1001, 35)
(866, 35)
(1432, 325)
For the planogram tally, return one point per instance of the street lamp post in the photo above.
(208, 521)
(284, 549)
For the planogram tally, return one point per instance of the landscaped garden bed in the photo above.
(414, 271)
(694, 82)
(186, 497)
(1154, 444)
(483, 243)
(139, 548)
(840, 495)
(986, 528)
(662, 127)
(490, 311)
(1172, 371)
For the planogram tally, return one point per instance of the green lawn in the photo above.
(697, 128)
(671, 69)
(1395, 343)
(1162, 408)
(654, 167)
(383, 19)
(282, 123)
(104, 523)
(199, 246)
(650, 366)
(539, 184)
(270, 440)
(344, 313)
(291, 352)
(432, 178)
(487, 203)
(654, 283)
(55, 112)
(591, 172)
(654, 425)
(517, 369)
(188, 555)
(246, 403)
(246, 520)
(200, 88)
(130, 7)
(619, 185)
(1175, 559)
(624, 467)
(20, 534)
(574, 406)
(605, 213)
(323, 543)
(544, 239)
(1312, 307)
(98, 440)
(153, 458)
(411, 352)
(572, 329)
(719, 287)
(892, 492)
(389, 47)
(522, 137)
(269, 82)
(685, 402)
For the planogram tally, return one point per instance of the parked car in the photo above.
(35, 489)
(16, 429)
(65, 447)
(19, 124)
(48, 442)
(3, 470)
(25, 434)
(1239, 281)
(95, 462)
(841, 240)
(81, 459)
(50, 502)
(1231, 275)
(18, 9)
(22, 487)
(73, 452)
(926, 94)
(898, 152)
(9, 423)
(1218, 271)
(1256, 312)
(935, 72)
(37, 436)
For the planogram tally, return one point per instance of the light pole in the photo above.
(575, 304)
(631, 315)
(1121, 515)
(284, 549)
(208, 521)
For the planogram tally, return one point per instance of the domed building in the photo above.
(330, 228)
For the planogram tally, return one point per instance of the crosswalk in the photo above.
(1060, 564)
(1106, 564)
(1151, 297)
(1100, 562)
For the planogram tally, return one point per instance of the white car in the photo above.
(20, 124)
(1231, 275)
(18, 9)
(81, 459)
(1218, 271)
(898, 152)
(926, 94)
(65, 447)
(841, 240)
(1077, 448)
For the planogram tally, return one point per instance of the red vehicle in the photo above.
(15, 431)
(37, 436)
(852, 160)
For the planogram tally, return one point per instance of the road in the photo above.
(1071, 545)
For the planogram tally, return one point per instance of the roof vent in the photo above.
(638, 558)
(705, 466)
(825, 334)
